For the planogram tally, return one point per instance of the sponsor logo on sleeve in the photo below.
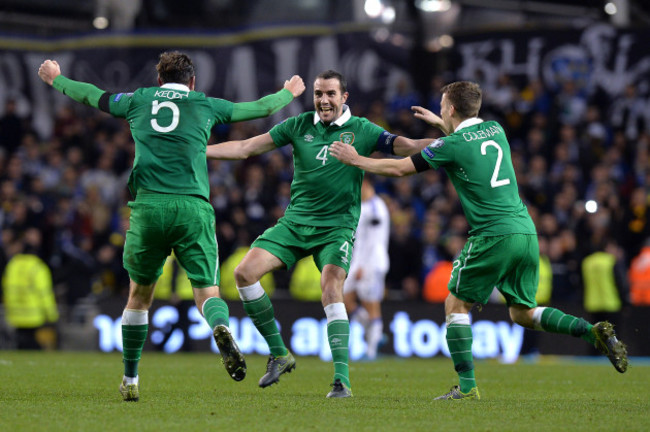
(427, 151)
(118, 96)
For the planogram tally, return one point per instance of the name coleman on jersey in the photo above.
(481, 134)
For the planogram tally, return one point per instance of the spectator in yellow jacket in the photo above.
(28, 296)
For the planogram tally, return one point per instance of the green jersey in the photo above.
(324, 191)
(476, 158)
(170, 126)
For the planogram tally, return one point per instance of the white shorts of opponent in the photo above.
(369, 288)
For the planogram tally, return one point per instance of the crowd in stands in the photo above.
(581, 159)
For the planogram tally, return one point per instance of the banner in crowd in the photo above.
(246, 65)
(238, 67)
(598, 58)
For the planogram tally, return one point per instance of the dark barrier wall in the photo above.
(413, 329)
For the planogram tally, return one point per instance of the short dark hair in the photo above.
(465, 96)
(175, 67)
(332, 74)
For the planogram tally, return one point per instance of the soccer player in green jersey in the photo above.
(171, 211)
(320, 220)
(502, 250)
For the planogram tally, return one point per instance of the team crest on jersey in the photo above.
(309, 138)
(347, 138)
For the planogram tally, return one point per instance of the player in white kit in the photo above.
(365, 283)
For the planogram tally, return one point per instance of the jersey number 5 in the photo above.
(176, 113)
(493, 181)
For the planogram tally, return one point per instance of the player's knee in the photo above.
(523, 317)
(244, 275)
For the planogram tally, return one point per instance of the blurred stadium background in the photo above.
(569, 80)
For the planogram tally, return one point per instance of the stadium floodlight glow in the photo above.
(388, 15)
(591, 206)
(446, 41)
(433, 5)
(100, 22)
(373, 8)
(610, 8)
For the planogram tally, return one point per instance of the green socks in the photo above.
(261, 313)
(215, 311)
(134, 333)
(338, 336)
(459, 340)
(555, 321)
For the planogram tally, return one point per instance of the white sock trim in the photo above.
(251, 292)
(130, 380)
(135, 317)
(204, 303)
(537, 318)
(457, 318)
(336, 311)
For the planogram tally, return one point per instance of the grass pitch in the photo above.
(65, 391)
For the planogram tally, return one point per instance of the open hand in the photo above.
(295, 85)
(49, 70)
(426, 115)
(343, 152)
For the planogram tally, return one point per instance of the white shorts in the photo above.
(370, 288)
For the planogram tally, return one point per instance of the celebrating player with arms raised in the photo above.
(502, 251)
(171, 126)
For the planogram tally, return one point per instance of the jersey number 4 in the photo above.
(176, 113)
(494, 182)
(322, 154)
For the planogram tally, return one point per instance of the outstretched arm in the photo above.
(403, 146)
(88, 94)
(232, 150)
(270, 104)
(387, 167)
(431, 118)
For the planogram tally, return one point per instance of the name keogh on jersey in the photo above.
(170, 94)
(481, 134)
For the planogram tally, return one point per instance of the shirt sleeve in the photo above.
(282, 133)
(263, 107)
(371, 136)
(82, 92)
(438, 153)
(222, 110)
(119, 103)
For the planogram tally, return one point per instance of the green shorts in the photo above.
(509, 263)
(291, 242)
(160, 223)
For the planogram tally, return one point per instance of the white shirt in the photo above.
(371, 240)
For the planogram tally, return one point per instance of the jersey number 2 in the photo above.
(493, 181)
(176, 113)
